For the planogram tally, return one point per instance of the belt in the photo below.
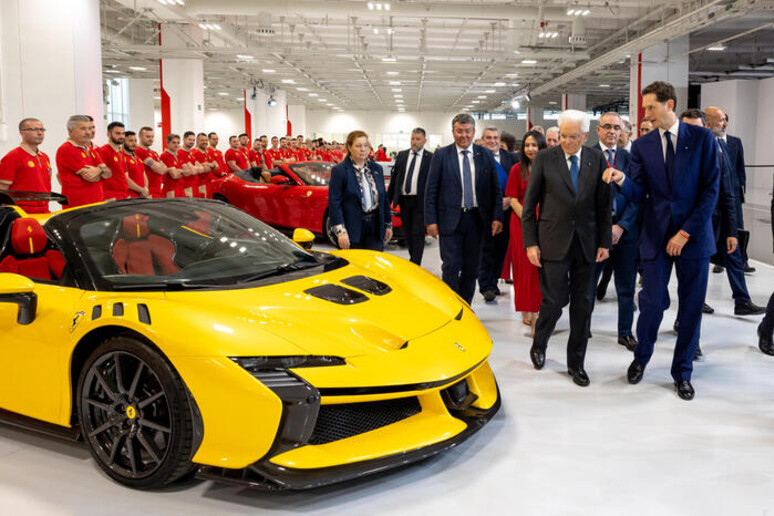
(466, 210)
(369, 216)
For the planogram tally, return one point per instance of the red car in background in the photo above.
(296, 196)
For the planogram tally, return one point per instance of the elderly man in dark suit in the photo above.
(572, 234)
(407, 190)
(462, 201)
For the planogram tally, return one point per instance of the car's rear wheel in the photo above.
(219, 197)
(328, 233)
(135, 414)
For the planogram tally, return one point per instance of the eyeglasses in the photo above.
(609, 127)
(36, 129)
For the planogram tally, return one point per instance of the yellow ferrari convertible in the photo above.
(179, 337)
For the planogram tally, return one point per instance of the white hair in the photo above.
(573, 115)
(553, 128)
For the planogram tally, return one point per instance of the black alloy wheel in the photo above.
(135, 414)
(329, 236)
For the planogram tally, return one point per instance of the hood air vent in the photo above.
(367, 284)
(337, 294)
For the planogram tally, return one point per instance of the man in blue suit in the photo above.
(493, 248)
(625, 234)
(462, 200)
(675, 175)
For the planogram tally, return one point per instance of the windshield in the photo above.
(313, 174)
(170, 244)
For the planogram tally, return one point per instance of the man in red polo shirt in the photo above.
(200, 155)
(154, 168)
(115, 188)
(191, 169)
(244, 146)
(79, 166)
(235, 160)
(26, 168)
(286, 152)
(136, 179)
(254, 156)
(174, 185)
(216, 155)
(275, 155)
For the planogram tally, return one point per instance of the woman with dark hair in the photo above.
(526, 286)
(357, 201)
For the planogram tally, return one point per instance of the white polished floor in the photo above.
(554, 448)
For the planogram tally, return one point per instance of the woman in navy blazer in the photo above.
(357, 200)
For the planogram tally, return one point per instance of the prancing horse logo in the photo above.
(459, 346)
(76, 320)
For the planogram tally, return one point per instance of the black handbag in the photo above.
(744, 241)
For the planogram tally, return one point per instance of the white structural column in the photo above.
(574, 101)
(182, 84)
(50, 67)
(662, 62)
(140, 104)
(297, 119)
(260, 118)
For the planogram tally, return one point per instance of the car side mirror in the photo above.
(303, 237)
(19, 290)
(280, 180)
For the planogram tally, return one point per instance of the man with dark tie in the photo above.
(675, 176)
(407, 190)
(571, 235)
(493, 248)
(623, 254)
(462, 200)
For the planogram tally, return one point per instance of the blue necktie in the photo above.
(669, 162)
(467, 182)
(410, 175)
(611, 163)
(574, 170)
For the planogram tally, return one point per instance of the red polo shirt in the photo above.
(216, 155)
(135, 170)
(176, 186)
(203, 179)
(274, 155)
(154, 179)
(184, 156)
(238, 157)
(254, 157)
(69, 160)
(114, 187)
(27, 173)
(267, 159)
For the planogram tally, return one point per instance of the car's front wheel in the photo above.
(135, 414)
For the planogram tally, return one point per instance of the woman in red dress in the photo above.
(526, 287)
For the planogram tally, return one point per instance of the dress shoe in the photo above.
(538, 358)
(509, 281)
(601, 291)
(588, 334)
(698, 355)
(635, 372)
(579, 376)
(685, 389)
(765, 342)
(489, 295)
(628, 341)
(749, 308)
(717, 269)
(707, 309)
(498, 292)
(747, 269)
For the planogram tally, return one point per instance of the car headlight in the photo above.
(256, 365)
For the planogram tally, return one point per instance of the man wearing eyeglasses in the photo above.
(26, 168)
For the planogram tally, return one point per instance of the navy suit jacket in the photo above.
(443, 194)
(625, 210)
(344, 199)
(724, 217)
(738, 173)
(688, 203)
(399, 171)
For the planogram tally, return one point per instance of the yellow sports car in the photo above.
(185, 336)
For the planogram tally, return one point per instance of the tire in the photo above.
(136, 418)
(327, 232)
(220, 197)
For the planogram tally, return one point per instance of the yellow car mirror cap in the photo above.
(15, 284)
(303, 237)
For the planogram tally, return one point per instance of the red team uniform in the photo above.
(216, 155)
(274, 156)
(154, 179)
(172, 187)
(69, 160)
(136, 172)
(114, 187)
(205, 178)
(238, 157)
(191, 183)
(27, 173)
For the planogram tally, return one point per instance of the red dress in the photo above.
(526, 286)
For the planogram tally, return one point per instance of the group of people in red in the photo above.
(126, 166)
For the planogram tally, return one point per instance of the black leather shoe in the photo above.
(588, 334)
(685, 390)
(601, 291)
(676, 325)
(747, 269)
(698, 355)
(538, 358)
(765, 342)
(579, 376)
(489, 295)
(707, 309)
(497, 292)
(628, 341)
(717, 269)
(635, 372)
(749, 308)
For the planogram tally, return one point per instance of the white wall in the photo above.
(225, 122)
(140, 103)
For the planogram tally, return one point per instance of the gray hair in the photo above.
(491, 128)
(25, 121)
(419, 130)
(462, 119)
(73, 121)
(611, 113)
(627, 125)
(552, 128)
(573, 115)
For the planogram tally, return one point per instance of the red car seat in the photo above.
(28, 255)
(139, 252)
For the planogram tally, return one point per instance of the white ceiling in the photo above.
(418, 55)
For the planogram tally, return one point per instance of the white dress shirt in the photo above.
(569, 163)
(472, 173)
(673, 131)
(605, 148)
(412, 188)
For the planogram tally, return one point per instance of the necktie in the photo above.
(669, 163)
(611, 163)
(574, 170)
(410, 175)
(610, 157)
(467, 181)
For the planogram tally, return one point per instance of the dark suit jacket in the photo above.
(344, 199)
(564, 214)
(738, 173)
(688, 203)
(443, 194)
(625, 210)
(724, 217)
(399, 171)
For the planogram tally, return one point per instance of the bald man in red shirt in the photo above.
(26, 168)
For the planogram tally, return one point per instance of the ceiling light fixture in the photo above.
(490, 91)
(138, 68)
(500, 84)
(388, 59)
(313, 95)
(528, 62)
(716, 48)
(268, 70)
(288, 81)
(397, 90)
(395, 83)
(482, 96)
(393, 73)
(222, 93)
(604, 85)
(244, 56)
(515, 104)
(272, 101)
(302, 89)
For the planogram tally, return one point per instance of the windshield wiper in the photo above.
(162, 285)
(278, 271)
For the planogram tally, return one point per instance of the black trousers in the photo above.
(460, 251)
(493, 251)
(561, 282)
(370, 236)
(413, 220)
(767, 324)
